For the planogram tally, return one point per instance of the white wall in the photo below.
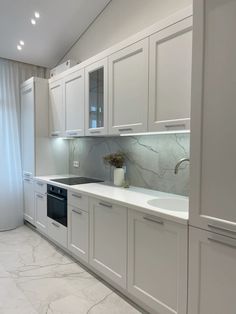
(119, 20)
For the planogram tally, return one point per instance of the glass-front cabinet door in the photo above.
(96, 98)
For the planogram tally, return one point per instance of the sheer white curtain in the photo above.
(12, 74)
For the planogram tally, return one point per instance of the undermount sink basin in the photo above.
(174, 204)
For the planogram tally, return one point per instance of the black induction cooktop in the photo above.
(76, 180)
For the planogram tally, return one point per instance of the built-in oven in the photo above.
(57, 204)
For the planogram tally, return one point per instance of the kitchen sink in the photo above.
(173, 204)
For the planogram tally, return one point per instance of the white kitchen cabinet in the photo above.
(57, 232)
(29, 208)
(74, 103)
(212, 275)
(213, 127)
(108, 240)
(41, 212)
(157, 263)
(78, 232)
(96, 106)
(170, 77)
(128, 89)
(57, 109)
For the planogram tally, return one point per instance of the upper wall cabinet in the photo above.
(170, 77)
(56, 109)
(96, 98)
(128, 89)
(74, 103)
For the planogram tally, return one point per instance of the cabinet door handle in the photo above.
(177, 125)
(56, 225)
(27, 180)
(154, 219)
(105, 205)
(125, 129)
(55, 134)
(222, 228)
(40, 183)
(222, 242)
(76, 195)
(39, 196)
(72, 133)
(95, 132)
(77, 212)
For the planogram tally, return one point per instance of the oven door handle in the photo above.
(56, 197)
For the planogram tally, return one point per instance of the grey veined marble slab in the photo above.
(36, 277)
(150, 160)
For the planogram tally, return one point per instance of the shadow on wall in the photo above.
(150, 160)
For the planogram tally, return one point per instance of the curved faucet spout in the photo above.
(179, 163)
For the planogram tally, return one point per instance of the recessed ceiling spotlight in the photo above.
(22, 43)
(33, 21)
(19, 47)
(37, 15)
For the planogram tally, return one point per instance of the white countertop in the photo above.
(132, 197)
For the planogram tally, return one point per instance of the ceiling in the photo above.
(60, 24)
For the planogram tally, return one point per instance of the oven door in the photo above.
(57, 208)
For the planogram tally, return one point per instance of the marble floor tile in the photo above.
(36, 277)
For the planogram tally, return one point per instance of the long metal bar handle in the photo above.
(153, 219)
(56, 225)
(77, 212)
(56, 197)
(125, 129)
(105, 205)
(76, 195)
(221, 228)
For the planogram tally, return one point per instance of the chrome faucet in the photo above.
(179, 163)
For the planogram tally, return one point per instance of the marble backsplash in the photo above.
(150, 160)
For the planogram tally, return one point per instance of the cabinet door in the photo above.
(96, 98)
(157, 263)
(170, 77)
(56, 109)
(41, 212)
(28, 130)
(213, 152)
(128, 89)
(29, 209)
(78, 232)
(212, 275)
(74, 103)
(108, 240)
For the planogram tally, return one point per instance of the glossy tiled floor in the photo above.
(35, 277)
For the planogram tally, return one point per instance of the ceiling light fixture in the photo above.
(19, 47)
(37, 15)
(22, 43)
(33, 22)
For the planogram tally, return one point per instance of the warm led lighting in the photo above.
(33, 21)
(37, 15)
(22, 43)
(154, 133)
(19, 47)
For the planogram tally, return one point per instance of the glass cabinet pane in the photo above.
(96, 98)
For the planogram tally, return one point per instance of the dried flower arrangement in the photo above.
(116, 160)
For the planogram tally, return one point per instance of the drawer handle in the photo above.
(27, 174)
(39, 196)
(154, 219)
(77, 212)
(40, 183)
(95, 132)
(105, 205)
(27, 180)
(56, 225)
(55, 134)
(221, 228)
(222, 242)
(125, 129)
(72, 133)
(76, 195)
(175, 125)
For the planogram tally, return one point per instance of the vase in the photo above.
(119, 176)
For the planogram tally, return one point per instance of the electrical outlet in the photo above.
(76, 163)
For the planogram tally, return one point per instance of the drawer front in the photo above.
(78, 200)
(40, 187)
(57, 232)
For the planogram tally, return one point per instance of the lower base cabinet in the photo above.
(78, 232)
(41, 212)
(157, 263)
(108, 240)
(212, 273)
(57, 232)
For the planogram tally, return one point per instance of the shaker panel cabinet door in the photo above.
(128, 89)
(56, 109)
(78, 232)
(157, 263)
(212, 275)
(108, 240)
(74, 103)
(41, 212)
(96, 106)
(29, 208)
(170, 77)
(213, 152)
